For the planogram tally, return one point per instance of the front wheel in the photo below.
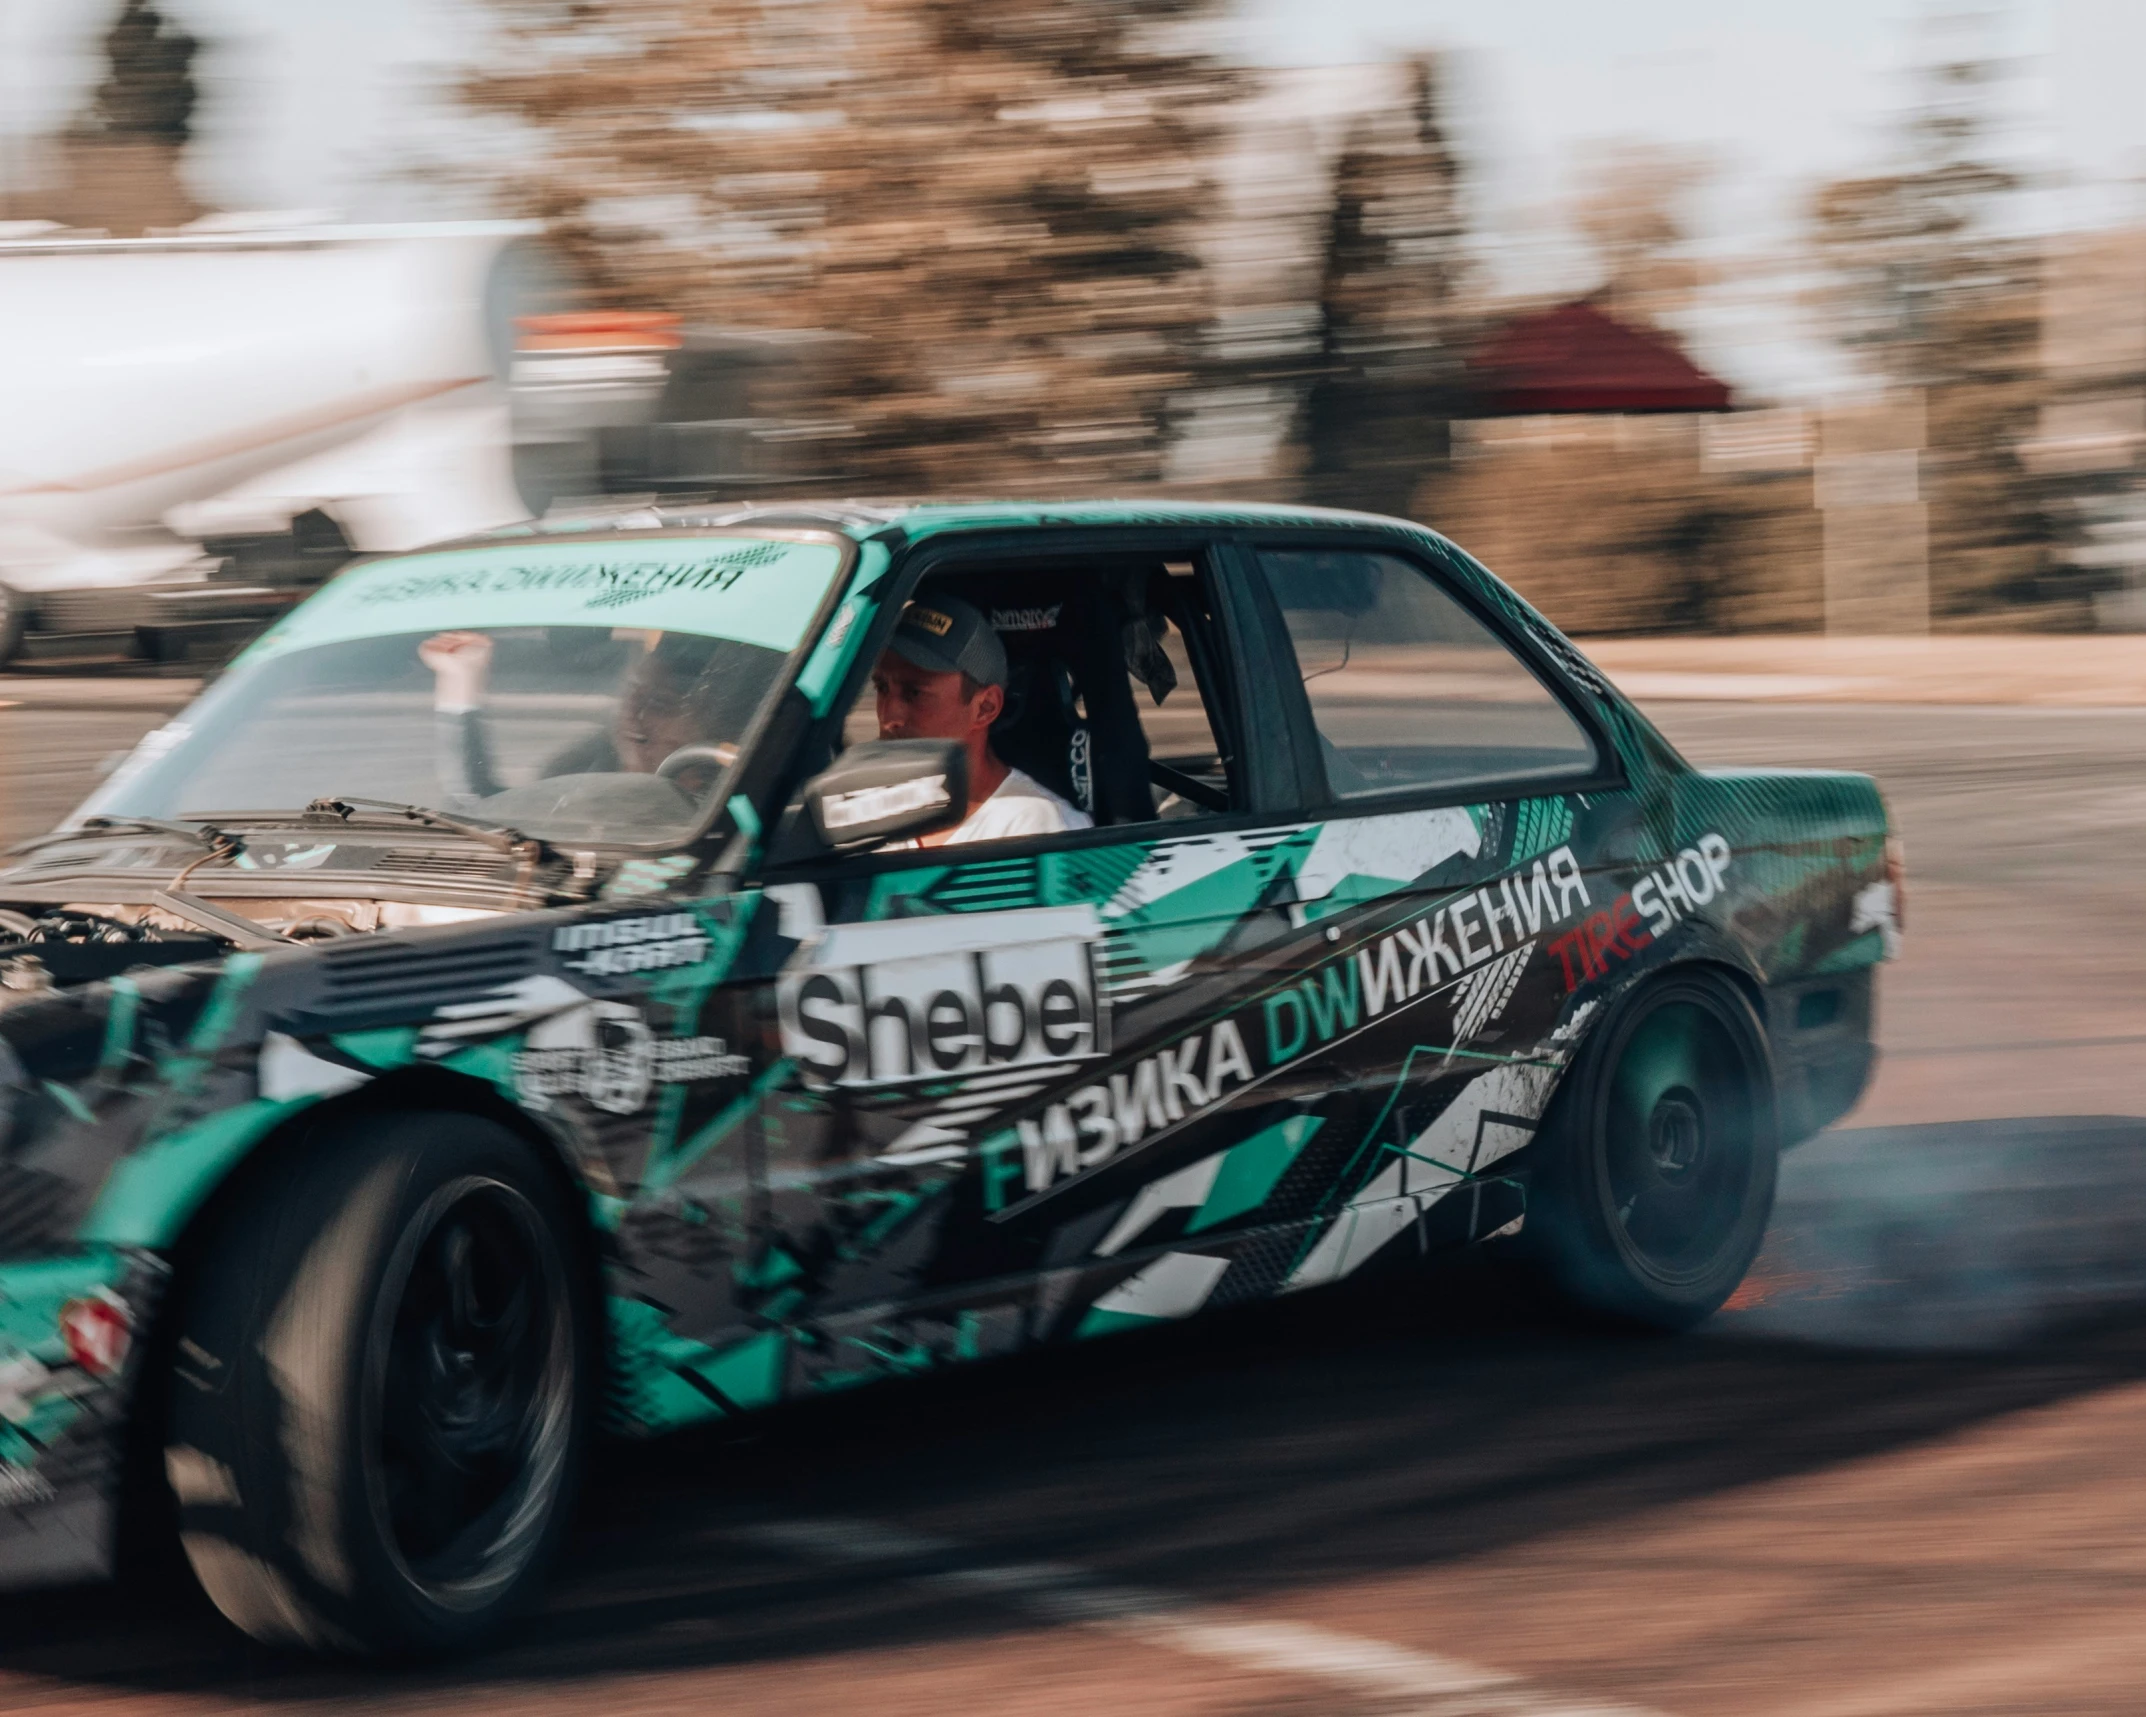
(381, 1388)
(1662, 1150)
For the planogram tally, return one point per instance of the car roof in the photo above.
(919, 518)
(916, 519)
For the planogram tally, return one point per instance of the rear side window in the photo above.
(1409, 691)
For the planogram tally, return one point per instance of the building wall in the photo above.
(1614, 524)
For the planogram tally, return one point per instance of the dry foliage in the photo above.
(1393, 306)
(992, 206)
(1923, 280)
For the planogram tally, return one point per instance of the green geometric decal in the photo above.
(750, 1374)
(1099, 1322)
(1539, 825)
(389, 1046)
(1249, 1170)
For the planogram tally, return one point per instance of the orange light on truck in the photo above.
(599, 330)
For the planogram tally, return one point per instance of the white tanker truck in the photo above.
(196, 429)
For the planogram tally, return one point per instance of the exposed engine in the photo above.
(54, 947)
(62, 946)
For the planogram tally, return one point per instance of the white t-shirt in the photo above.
(1022, 805)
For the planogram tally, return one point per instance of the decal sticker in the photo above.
(939, 1134)
(799, 913)
(1481, 996)
(288, 1069)
(1683, 885)
(614, 947)
(1449, 943)
(913, 998)
(495, 1013)
(97, 1332)
(648, 875)
(1097, 1121)
(1026, 619)
(1174, 866)
(1327, 1004)
(838, 633)
(1875, 908)
(605, 1053)
(1394, 849)
(762, 593)
(606, 583)
(1586, 950)
(21, 1485)
(1217, 1188)
(1661, 897)
(1494, 1115)
(22, 1379)
(1175, 1286)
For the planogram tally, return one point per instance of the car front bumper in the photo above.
(74, 1335)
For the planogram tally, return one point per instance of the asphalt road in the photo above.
(1902, 1474)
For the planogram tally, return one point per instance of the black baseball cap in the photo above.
(947, 636)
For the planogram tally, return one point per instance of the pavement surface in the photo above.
(2052, 670)
(1903, 1473)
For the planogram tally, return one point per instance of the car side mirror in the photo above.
(888, 790)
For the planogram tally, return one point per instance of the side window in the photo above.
(1408, 689)
(1114, 689)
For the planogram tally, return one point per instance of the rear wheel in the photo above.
(1662, 1156)
(380, 1389)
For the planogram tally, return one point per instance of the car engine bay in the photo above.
(44, 948)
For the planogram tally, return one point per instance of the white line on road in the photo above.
(1435, 1685)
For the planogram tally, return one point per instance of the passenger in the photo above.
(672, 698)
(943, 676)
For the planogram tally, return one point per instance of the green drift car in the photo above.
(408, 1073)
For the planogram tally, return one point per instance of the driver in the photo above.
(672, 698)
(943, 676)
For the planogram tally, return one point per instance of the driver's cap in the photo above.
(946, 636)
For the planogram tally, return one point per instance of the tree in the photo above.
(990, 205)
(1631, 208)
(1926, 283)
(148, 92)
(119, 158)
(1377, 418)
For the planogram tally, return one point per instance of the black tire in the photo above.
(381, 1388)
(1661, 1155)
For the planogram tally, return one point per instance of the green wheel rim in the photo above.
(1679, 1140)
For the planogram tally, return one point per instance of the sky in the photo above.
(1779, 91)
(328, 104)
(1802, 86)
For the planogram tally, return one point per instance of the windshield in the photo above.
(592, 691)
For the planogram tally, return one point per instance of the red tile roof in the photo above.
(1578, 358)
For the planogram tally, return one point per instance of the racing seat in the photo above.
(1070, 720)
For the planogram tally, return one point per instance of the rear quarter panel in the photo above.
(1777, 875)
